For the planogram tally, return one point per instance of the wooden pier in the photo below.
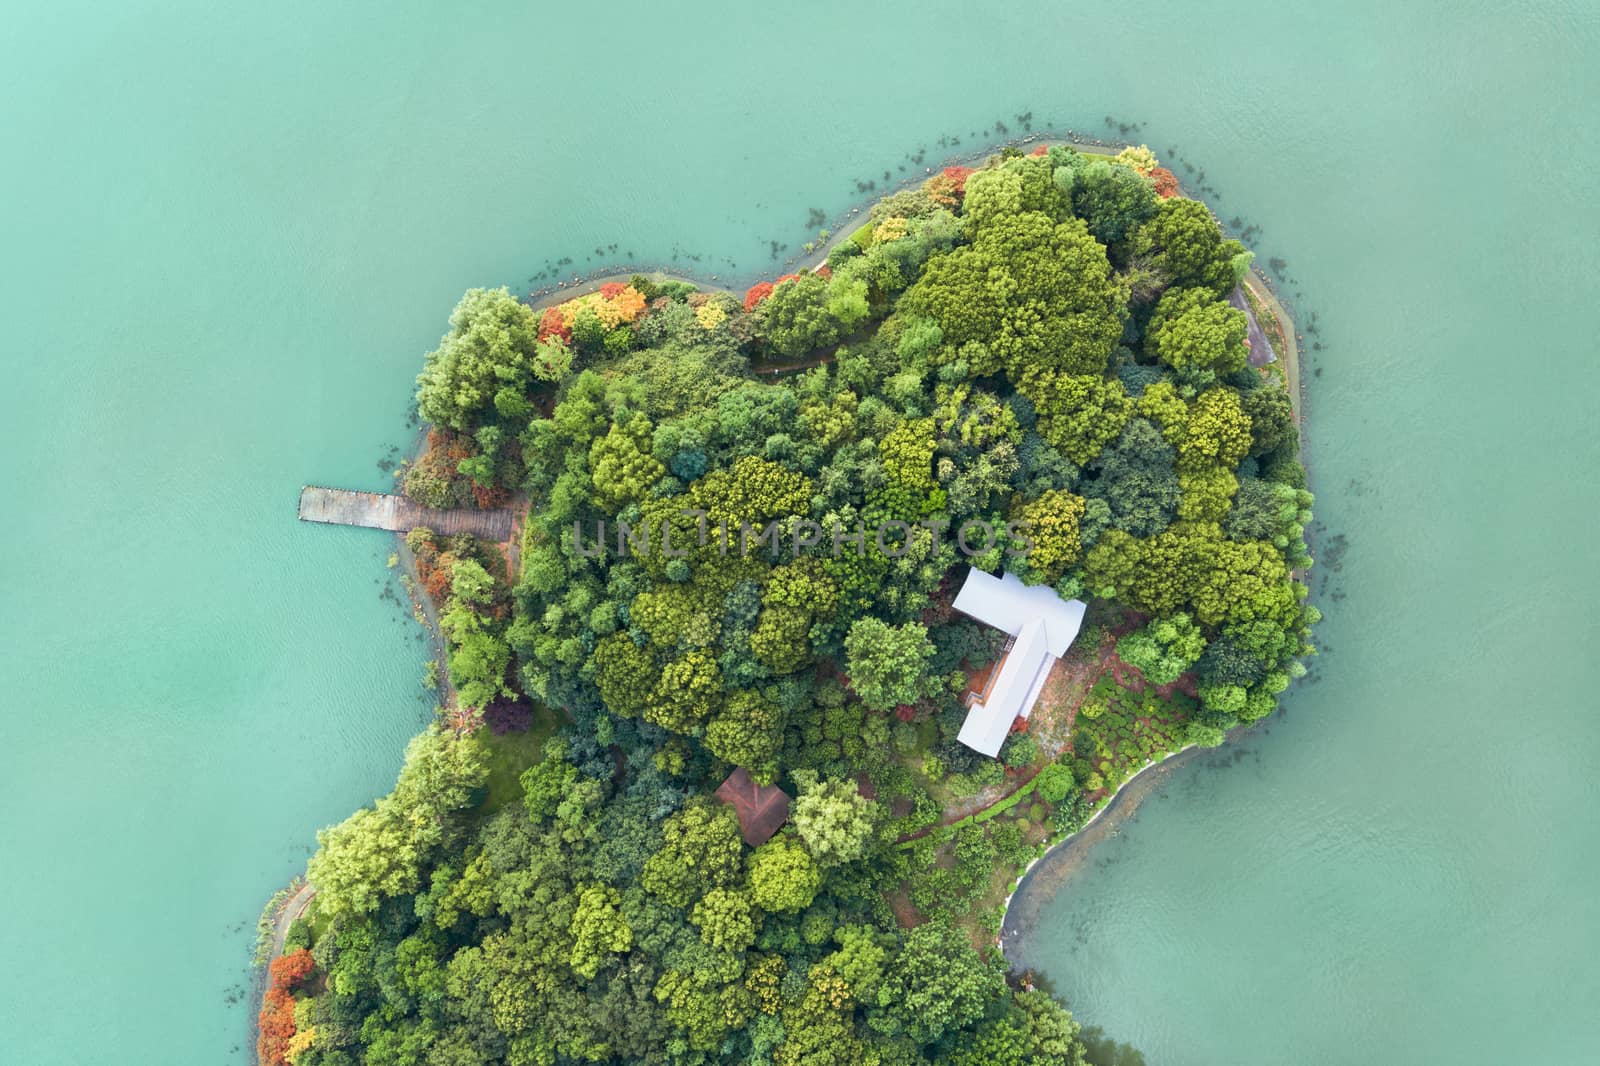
(378, 510)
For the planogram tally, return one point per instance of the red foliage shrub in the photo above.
(1166, 182)
(287, 971)
(786, 277)
(1019, 725)
(435, 574)
(446, 450)
(756, 293)
(905, 712)
(491, 497)
(612, 289)
(1041, 150)
(959, 176)
(824, 271)
(276, 1026)
(552, 324)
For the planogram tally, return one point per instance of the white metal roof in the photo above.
(1011, 692)
(1007, 604)
(1044, 626)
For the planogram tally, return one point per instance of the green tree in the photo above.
(1078, 414)
(863, 959)
(547, 782)
(1193, 330)
(625, 673)
(811, 312)
(725, 919)
(492, 344)
(1136, 478)
(688, 692)
(1113, 199)
(701, 849)
(380, 850)
(471, 583)
(598, 929)
(1216, 432)
(1271, 419)
(1163, 648)
(1051, 525)
(817, 1030)
(622, 465)
(747, 731)
(1055, 783)
(939, 983)
(783, 877)
(907, 454)
(479, 657)
(1183, 244)
(1034, 292)
(1015, 186)
(888, 664)
(833, 819)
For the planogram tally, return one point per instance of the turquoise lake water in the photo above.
(231, 230)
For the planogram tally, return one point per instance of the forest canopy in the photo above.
(1042, 348)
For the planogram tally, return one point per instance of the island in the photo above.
(782, 629)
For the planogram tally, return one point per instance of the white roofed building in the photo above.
(1042, 626)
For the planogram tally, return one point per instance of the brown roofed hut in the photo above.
(762, 809)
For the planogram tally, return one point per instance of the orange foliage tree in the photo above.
(941, 189)
(276, 1027)
(287, 971)
(552, 324)
(1166, 182)
(275, 1023)
(958, 178)
(614, 304)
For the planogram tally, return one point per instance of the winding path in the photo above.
(292, 908)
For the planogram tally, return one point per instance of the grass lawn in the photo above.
(511, 754)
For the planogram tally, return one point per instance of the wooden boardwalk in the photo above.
(378, 510)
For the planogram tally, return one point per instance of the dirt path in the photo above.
(981, 802)
(511, 547)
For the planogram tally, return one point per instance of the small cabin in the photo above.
(762, 809)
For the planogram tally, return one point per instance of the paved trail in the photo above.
(292, 909)
(1260, 348)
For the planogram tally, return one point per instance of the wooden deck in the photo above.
(378, 510)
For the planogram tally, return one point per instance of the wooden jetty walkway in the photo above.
(378, 510)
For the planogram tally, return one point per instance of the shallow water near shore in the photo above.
(232, 230)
